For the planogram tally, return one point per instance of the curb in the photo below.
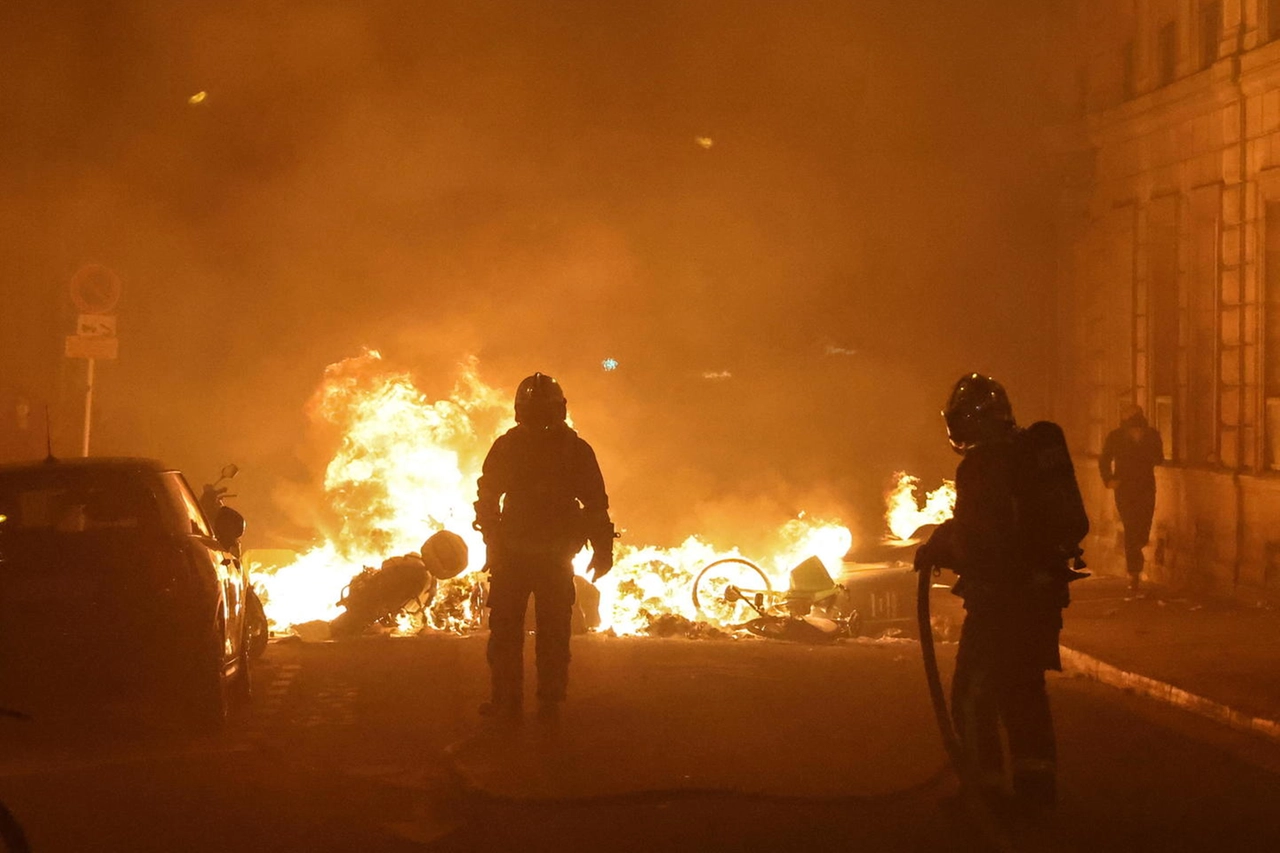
(1079, 663)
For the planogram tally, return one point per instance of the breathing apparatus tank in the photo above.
(1052, 519)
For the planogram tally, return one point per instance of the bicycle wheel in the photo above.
(710, 585)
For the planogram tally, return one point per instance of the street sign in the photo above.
(95, 289)
(96, 325)
(91, 347)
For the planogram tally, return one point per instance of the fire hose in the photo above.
(977, 809)
(491, 745)
(942, 715)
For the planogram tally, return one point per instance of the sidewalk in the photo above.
(1216, 658)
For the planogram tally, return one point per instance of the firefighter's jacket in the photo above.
(541, 493)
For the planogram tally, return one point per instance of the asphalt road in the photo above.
(667, 745)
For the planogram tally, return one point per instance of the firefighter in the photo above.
(541, 497)
(1015, 491)
(1127, 464)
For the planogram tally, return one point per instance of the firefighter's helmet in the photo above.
(540, 401)
(977, 412)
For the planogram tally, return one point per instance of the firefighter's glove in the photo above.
(601, 563)
(926, 559)
(934, 552)
(488, 522)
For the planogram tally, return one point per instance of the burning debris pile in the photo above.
(406, 467)
(675, 625)
(405, 592)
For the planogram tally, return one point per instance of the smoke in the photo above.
(792, 225)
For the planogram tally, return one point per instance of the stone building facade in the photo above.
(1170, 273)
(1169, 290)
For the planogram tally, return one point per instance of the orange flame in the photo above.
(904, 513)
(407, 466)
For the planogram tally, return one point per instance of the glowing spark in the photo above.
(717, 375)
(197, 98)
(832, 349)
(705, 141)
(609, 364)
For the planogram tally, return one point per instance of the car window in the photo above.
(182, 497)
(71, 501)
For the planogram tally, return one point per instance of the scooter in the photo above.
(211, 498)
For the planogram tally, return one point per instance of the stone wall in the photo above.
(1163, 297)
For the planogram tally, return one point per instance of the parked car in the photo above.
(113, 583)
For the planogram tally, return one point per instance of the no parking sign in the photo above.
(95, 289)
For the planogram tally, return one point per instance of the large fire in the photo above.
(406, 467)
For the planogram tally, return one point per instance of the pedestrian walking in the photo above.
(1127, 464)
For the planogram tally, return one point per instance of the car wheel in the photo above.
(241, 688)
(257, 631)
(205, 703)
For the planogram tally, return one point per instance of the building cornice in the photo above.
(1260, 69)
(1181, 100)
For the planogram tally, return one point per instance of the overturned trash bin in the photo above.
(812, 589)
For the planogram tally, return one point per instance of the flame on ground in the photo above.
(406, 466)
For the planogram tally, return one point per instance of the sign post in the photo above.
(88, 407)
(95, 290)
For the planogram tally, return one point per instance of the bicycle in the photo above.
(814, 609)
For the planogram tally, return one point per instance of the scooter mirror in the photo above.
(229, 471)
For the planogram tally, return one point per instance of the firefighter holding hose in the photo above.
(1013, 541)
(541, 497)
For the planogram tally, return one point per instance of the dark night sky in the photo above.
(521, 182)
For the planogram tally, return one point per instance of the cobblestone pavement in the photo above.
(667, 744)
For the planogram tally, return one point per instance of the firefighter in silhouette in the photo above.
(1127, 464)
(1013, 541)
(541, 497)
